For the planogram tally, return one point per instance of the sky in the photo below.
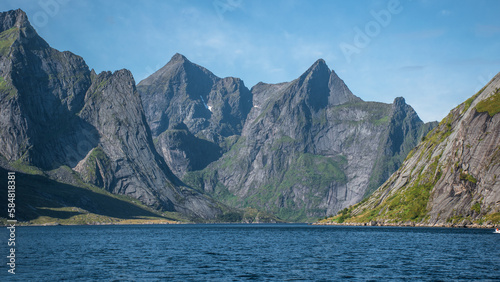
(435, 54)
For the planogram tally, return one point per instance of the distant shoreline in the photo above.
(411, 224)
(364, 224)
(98, 223)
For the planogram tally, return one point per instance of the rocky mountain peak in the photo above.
(320, 62)
(318, 68)
(15, 26)
(323, 87)
(178, 58)
(13, 18)
(402, 111)
(399, 102)
(180, 69)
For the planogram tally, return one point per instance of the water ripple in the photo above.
(253, 252)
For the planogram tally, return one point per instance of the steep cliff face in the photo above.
(41, 88)
(185, 96)
(309, 148)
(57, 113)
(451, 177)
(405, 130)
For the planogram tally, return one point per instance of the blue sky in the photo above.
(435, 54)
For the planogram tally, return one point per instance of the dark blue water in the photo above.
(251, 252)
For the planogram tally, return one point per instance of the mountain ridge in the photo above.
(299, 109)
(450, 178)
(184, 140)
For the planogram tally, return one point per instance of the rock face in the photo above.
(191, 112)
(55, 112)
(451, 177)
(301, 150)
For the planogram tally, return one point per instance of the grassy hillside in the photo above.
(449, 179)
(40, 200)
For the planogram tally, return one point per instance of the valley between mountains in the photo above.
(184, 145)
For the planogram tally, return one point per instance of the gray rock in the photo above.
(458, 162)
(308, 148)
(212, 108)
(55, 112)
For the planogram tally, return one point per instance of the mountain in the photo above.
(191, 112)
(187, 141)
(56, 114)
(450, 178)
(300, 150)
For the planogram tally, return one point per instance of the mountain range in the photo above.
(186, 142)
(299, 150)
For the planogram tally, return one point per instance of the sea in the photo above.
(240, 252)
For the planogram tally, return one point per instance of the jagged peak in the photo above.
(178, 64)
(318, 66)
(318, 70)
(177, 60)
(177, 57)
(399, 106)
(26, 34)
(320, 61)
(13, 18)
(399, 101)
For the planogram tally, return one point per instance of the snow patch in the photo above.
(205, 104)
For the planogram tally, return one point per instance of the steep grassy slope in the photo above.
(40, 200)
(450, 178)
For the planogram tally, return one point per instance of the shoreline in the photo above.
(17, 224)
(150, 223)
(412, 224)
(360, 224)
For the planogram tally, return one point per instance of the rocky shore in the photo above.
(463, 224)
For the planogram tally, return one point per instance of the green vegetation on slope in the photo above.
(490, 105)
(40, 200)
(6, 89)
(97, 157)
(314, 173)
(7, 38)
(409, 204)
